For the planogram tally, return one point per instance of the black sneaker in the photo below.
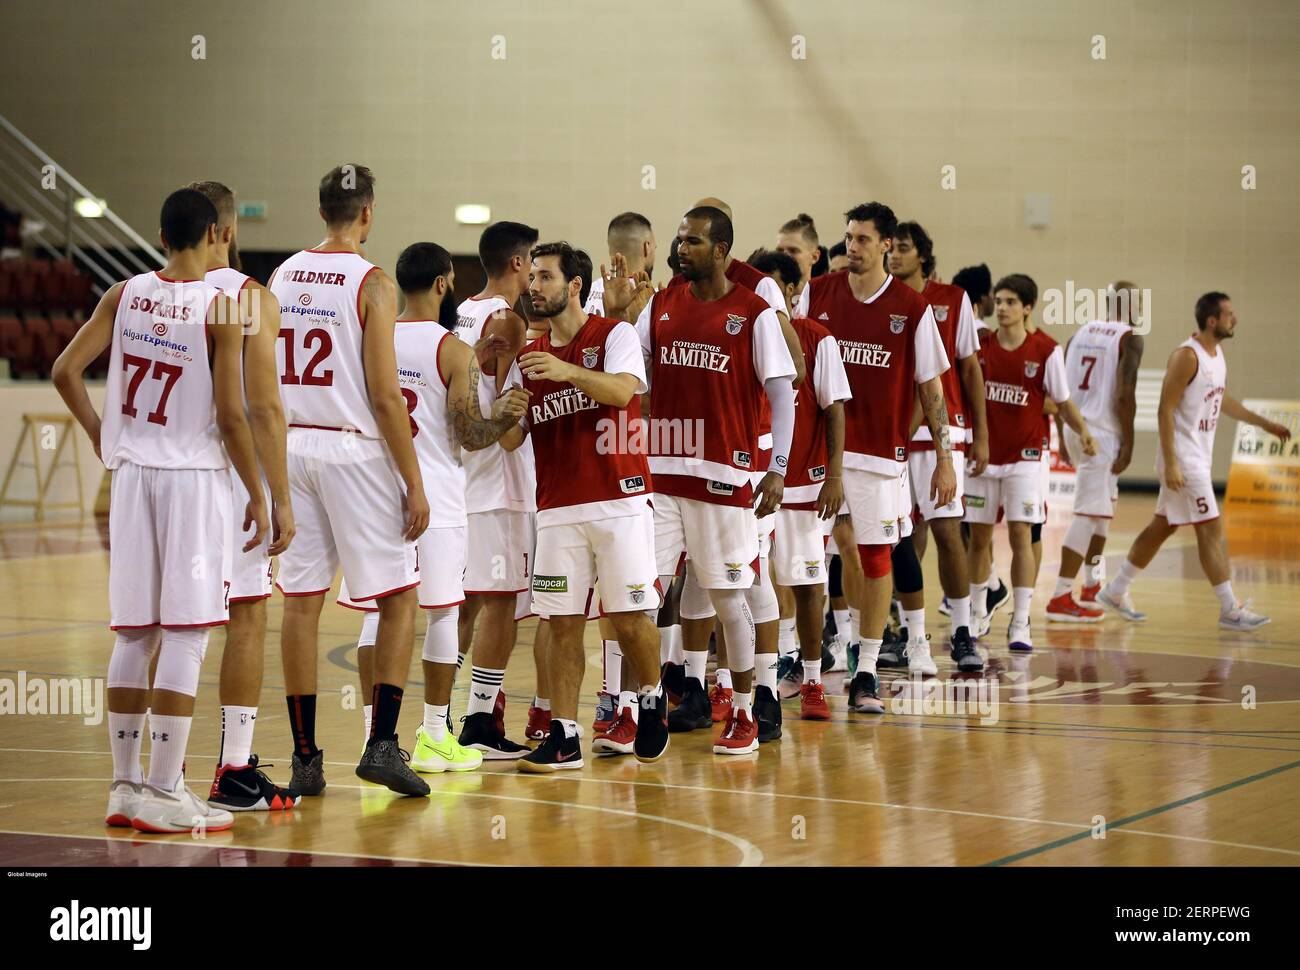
(996, 599)
(789, 666)
(673, 677)
(694, 711)
(384, 763)
(651, 728)
(308, 777)
(247, 789)
(864, 697)
(479, 731)
(965, 654)
(893, 650)
(556, 753)
(767, 715)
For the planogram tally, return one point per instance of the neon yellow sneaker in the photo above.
(445, 755)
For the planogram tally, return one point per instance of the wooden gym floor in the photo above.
(1147, 734)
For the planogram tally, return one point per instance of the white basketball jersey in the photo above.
(1197, 414)
(424, 386)
(494, 478)
(159, 410)
(229, 281)
(1092, 366)
(322, 374)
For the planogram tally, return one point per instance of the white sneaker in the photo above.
(980, 625)
(839, 654)
(123, 800)
(1123, 605)
(165, 812)
(919, 660)
(1242, 618)
(1018, 637)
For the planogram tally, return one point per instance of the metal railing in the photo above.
(45, 192)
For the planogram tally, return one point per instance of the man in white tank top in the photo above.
(357, 492)
(1101, 362)
(173, 412)
(501, 502)
(1192, 397)
(436, 372)
(239, 785)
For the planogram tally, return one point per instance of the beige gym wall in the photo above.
(1141, 152)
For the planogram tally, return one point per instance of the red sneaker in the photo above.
(812, 703)
(620, 736)
(720, 700)
(539, 724)
(499, 711)
(739, 734)
(1063, 609)
(1089, 595)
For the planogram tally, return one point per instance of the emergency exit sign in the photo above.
(251, 210)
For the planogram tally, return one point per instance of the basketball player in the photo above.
(1021, 371)
(1191, 399)
(500, 491)
(798, 240)
(631, 241)
(814, 491)
(838, 256)
(911, 260)
(1101, 363)
(595, 522)
(892, 351)
(354, 478)
(173, 412)
(715, 351)
(437, 373)
(239, 785)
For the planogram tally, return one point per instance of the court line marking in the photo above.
(1158, 810)
(203, 844)
(750, 854)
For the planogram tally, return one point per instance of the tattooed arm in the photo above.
(473, 431)
(943, 486)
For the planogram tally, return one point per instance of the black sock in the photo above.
(302, 721)
(386, 705)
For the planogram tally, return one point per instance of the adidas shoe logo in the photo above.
(823, 316)
(665, 316)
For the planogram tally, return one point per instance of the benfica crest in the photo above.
(1031, 368)
(589, 356)
(941, 313)
(636, 592)
(897, 323)
(733, 572)
(734, 323)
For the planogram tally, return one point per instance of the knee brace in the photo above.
(835, 582)
(875, 559)
(129, 664)
(738, 625)
(761, 597)
(907, 568)
(1079, 534)
(180, 660)
(1036, 532)
(1101, 528)
(695, 602)
(440, 636)
(369, 630)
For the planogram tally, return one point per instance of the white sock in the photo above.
(168, 736)
(365, 713)
(914, 621)
(484, 684)
(868, 654)
(979, 600)
(460, 661)
(125, 732)
(855, 626)
(570, 727)
(742, 702)
(541, 703)
(1227, 602)
(1021, 595)
(842, 624)
(1063, 586)
(627, 699)
(237, 734)
(697, 664)
(1121, 583)
(786, 644)
(613, 665)
(960, 612)
(723, 677)
(435, 721)
(812, 671)
(1096, 572)
(676, 651)
(765, 670)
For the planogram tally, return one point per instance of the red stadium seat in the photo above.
(17, 345)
